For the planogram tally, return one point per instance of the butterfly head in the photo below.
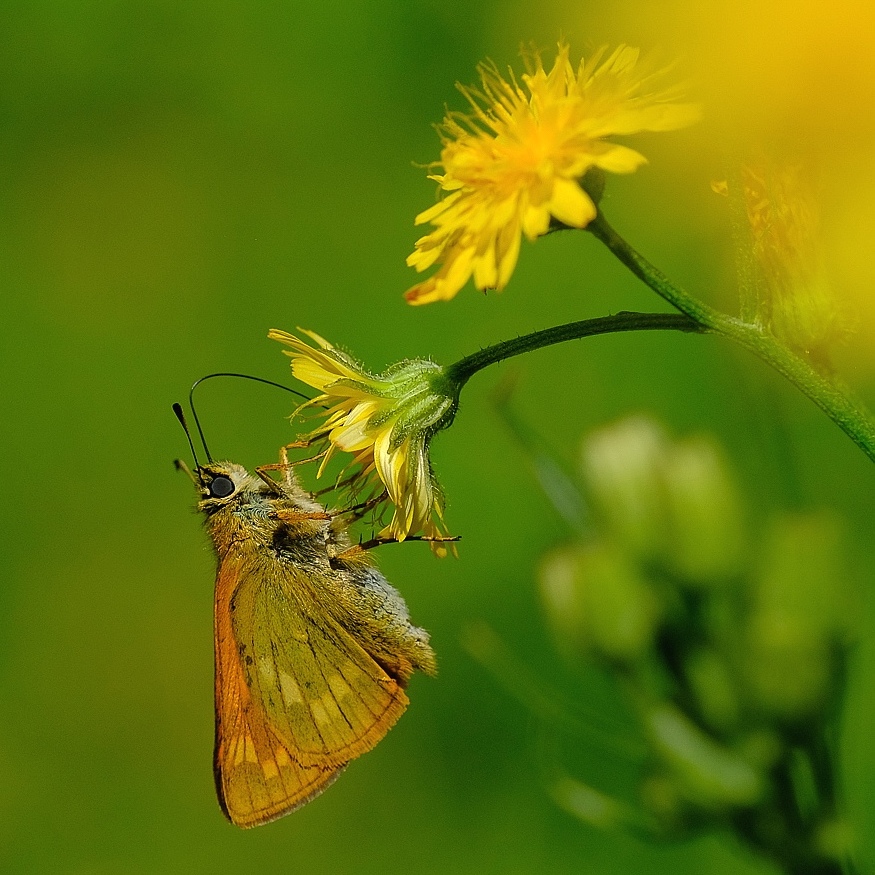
(222, 484)
(219, 483)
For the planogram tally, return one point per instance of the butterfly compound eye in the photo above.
(221, 486)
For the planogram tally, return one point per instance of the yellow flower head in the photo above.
(386, 422)
(514, 163)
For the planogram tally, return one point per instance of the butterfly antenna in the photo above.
(197, 383)
(177, 409)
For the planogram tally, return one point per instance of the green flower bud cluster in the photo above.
(730, 647)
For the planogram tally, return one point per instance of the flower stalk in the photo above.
(461, 371)
(834, 400)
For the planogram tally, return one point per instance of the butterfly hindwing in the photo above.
(297, 697)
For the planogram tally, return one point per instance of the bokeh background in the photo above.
(179, 178)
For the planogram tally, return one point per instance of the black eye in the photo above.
(221, 486)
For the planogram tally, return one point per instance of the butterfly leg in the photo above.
(285, 465)
(290, 481)
(342, 484)
(357, 511)
(363, 546)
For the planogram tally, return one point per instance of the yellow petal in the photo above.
(427, 252)
(314, 336)
(571, 204)
(536, 221)
(312, 374)
(620, 159)
(423, 293)
(507, 252)
(485, 271)
(440, 207)
(385, 464)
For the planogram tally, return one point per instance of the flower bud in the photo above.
(622, 464)
(799, 306)
(707, 773)
(589, 805)
(713, 687)
(597, 602)
(800, 614)
(788, 665)
(662, 797)
(707, 542)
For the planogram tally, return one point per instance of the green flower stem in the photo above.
(834, 400)
(459, 373)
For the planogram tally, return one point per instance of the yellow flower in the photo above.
(385, 422)
(515, 162)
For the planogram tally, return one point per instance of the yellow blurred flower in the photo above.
(385, 422)
(514, 163)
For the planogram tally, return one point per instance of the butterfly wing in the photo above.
(297, 697)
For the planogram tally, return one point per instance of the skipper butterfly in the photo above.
(313, 646)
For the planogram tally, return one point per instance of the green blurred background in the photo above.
(179, 178)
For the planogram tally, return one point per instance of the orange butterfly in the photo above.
(313, 646)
